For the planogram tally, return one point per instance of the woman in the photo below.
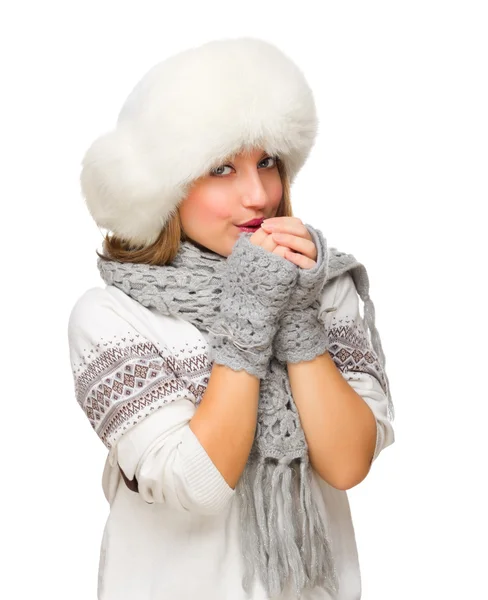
(225, 364)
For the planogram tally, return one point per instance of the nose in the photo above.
(253, 191)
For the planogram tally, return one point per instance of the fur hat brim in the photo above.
(187, 115)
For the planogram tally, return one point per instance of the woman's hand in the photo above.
(288, 237)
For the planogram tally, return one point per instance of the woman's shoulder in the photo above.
(99, 309)
(99, 300)
(107, 313)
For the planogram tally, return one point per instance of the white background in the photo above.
(398, 177)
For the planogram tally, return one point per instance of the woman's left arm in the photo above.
(339, 396)
(339, 426)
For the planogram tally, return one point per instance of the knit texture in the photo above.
(291, 344)
(242, 301)
(255, 292)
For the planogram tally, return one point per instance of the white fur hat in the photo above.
(188, 115)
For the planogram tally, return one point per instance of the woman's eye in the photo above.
(218, 170)
(269, 158)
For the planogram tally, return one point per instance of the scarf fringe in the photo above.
(297, 549)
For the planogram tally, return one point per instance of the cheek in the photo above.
(219, 210)
(206, 208)
(214, 209)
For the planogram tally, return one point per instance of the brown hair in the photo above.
(165, 248)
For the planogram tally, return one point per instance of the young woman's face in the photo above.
(248, 187)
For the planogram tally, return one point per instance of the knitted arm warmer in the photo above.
(255, 291)
(301, 336)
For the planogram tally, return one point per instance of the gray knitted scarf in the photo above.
(277, 476)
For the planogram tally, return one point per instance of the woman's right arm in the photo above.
(176, 452)
(225, 420)
(141, 409)
(186, 456)
(255, 291)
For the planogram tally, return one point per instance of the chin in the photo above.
(224, 248)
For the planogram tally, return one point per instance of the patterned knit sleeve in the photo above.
(353, 354)
(139, 406)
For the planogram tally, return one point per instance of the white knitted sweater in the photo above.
(177, 536)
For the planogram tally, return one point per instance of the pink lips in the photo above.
(253, 223)
(251, 226)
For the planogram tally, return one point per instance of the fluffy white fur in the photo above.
(187, 115)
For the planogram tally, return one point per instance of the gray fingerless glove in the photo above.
(301, 336)
(255, 290)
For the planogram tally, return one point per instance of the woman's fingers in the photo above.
(288, 237)
(291, 225)
(297, 244)
(263, 239)
(266, 241)
(280, 251)
(258, 237)
(299, 259)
